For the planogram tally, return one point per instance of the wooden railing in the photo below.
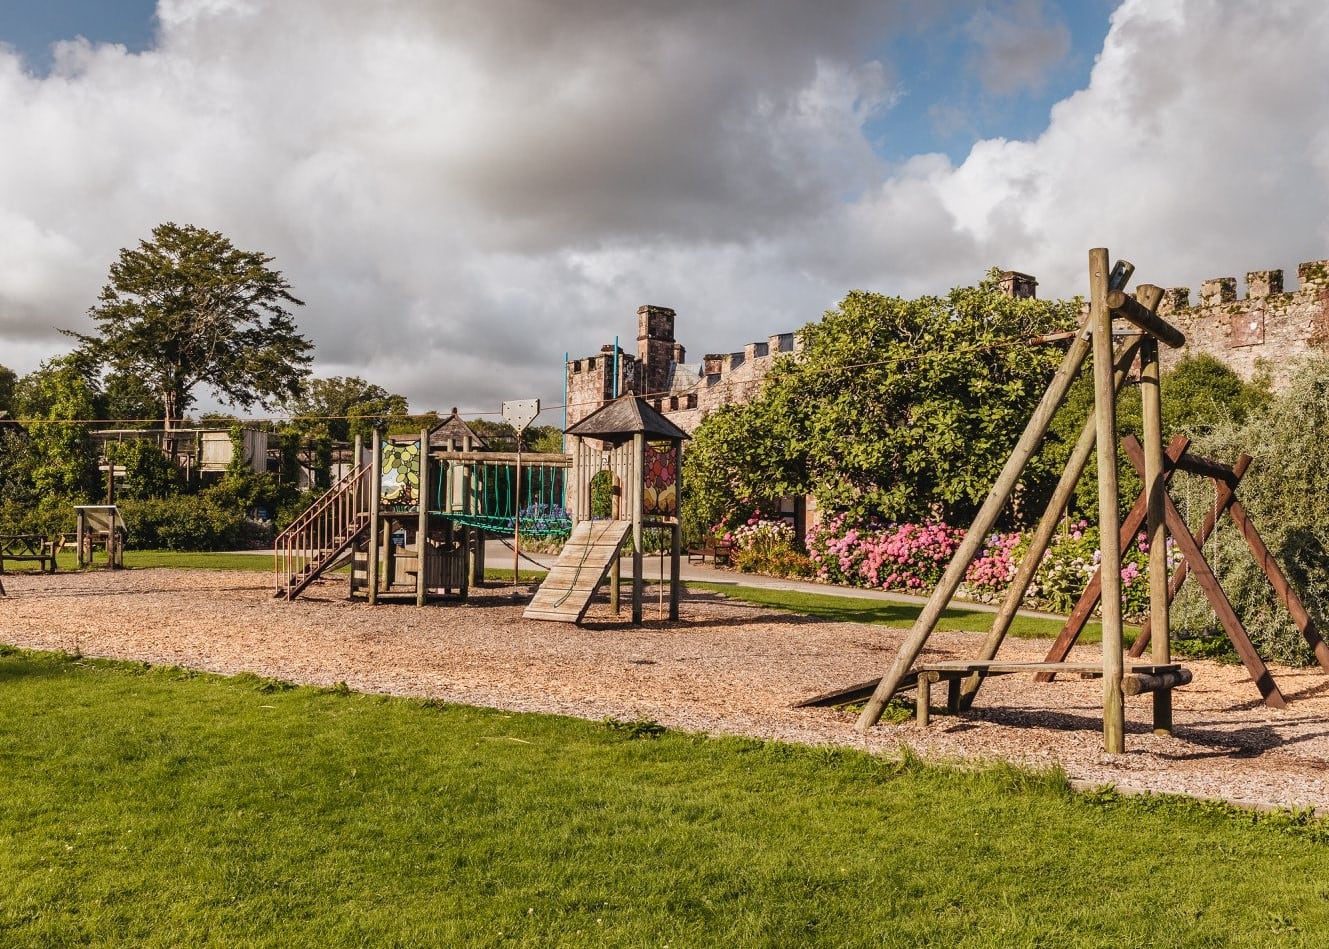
(315, 539)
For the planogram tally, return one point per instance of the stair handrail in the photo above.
(323, 525)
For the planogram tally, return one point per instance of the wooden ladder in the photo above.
(318, 539)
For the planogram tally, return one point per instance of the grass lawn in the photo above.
(900, 615)
(158, 807)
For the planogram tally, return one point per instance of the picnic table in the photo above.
(27, 548)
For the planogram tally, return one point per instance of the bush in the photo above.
(768, 547)
(190, 522)
(1286, 493)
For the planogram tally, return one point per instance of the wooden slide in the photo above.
(586, 558)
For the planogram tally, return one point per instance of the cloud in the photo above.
(463, 192)
(1016, 44)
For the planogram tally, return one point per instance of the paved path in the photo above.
(498, 554)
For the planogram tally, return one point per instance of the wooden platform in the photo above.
(566, 592)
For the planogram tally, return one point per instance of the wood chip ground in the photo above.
(725, 668)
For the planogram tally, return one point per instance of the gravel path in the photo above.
(726, 667)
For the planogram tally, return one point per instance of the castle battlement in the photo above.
(1263, 332)
(1312, 276)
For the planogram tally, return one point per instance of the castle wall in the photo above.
(1267, 331)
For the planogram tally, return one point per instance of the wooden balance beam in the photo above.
(1138, 678)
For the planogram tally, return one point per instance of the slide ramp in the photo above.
(566, 592)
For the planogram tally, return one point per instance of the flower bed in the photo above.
(910, 558)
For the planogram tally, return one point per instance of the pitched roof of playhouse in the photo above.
(455, 428)
(624, 417)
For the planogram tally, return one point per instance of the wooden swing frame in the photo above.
(1107, 301)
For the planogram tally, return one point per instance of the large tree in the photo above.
(899, 409)
(187, 309)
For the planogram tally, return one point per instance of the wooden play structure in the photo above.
(1121, 675)
(639, 453)
(99, 526)
(411, 518)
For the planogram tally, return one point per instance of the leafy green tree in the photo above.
(188, 309)
(342, 407)
(899, 409)
(58, 401)
(8, 379)
(148, 472)
(129, 401)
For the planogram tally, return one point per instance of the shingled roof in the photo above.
(453, 427)
(626, 416)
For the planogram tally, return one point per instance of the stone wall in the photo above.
(1266, 332)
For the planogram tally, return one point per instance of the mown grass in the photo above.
(898, 614)
(159, 807)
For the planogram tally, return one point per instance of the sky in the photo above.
(461, 192)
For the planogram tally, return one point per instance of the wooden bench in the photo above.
(720, 551)
(27, 548)
(1137, 678)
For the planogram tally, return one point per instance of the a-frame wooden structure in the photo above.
(1107, 301)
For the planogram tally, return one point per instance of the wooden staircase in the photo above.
(566, 592)
(320, 538)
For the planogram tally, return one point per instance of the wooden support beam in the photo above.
(1225, 495)
(1213, 592)
(1105, 411)
(978, 530)
(1130, 309)
(1042, 537)
(1155, 490)
(1286, 595)
(1084, 607)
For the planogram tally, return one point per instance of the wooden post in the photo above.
(375, 510)
(978, 531)
(676, 534)
(1105, 412)
(1047, 526)
(80, 532)
(1155, 488)
(422, 523)
(637, 473)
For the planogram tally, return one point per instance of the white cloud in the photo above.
(461, 192)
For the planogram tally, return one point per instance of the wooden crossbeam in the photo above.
(1218, 601)
(1226, 494)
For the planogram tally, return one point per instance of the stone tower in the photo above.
(656, 349)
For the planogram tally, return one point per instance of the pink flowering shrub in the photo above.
(909, 557)
(912, 557)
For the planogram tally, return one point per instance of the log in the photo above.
(1155, 489)
(1159, 683)
(1105, 411)
(1128, 308)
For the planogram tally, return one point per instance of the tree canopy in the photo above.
(899, 409)
(187, 309)
(345, 406)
